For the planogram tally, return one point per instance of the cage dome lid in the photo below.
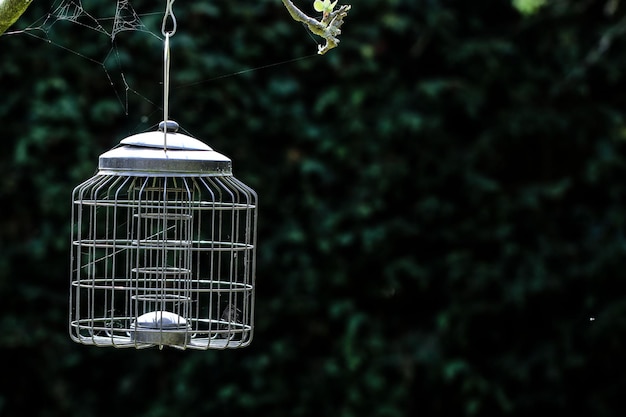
(160, 152)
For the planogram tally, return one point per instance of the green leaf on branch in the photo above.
(10, 11)
(325, 6)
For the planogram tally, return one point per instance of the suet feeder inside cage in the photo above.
(163, 247)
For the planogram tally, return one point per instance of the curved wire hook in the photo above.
(169, 15)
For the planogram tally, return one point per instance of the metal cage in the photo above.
(163, 248)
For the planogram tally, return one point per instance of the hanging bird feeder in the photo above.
(163, 248)
(163, 245)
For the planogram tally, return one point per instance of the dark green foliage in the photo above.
(442, 208)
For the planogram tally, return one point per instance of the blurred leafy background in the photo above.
(442, 207)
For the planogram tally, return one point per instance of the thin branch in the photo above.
(328, 28)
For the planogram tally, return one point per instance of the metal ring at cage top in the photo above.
(158, 204)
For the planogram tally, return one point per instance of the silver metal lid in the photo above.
(161, 152)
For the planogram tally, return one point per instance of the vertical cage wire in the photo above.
(163, 261)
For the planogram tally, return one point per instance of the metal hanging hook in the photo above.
(166, 87)
(169, 16)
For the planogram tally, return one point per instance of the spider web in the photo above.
(70, 18)
(126, 18)
(80, 30)
(123, 18)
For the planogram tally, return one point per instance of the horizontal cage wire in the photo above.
(163, 261)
